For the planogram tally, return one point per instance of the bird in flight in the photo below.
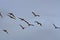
(28, 23)
(56, 26)
(38, 23)
(11, 16)
(5, 31)
(22, 27)
(21, 19)
(35, 14)
(1, 15)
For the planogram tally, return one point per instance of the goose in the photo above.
(12, 17)
(22, 27)
(35, 14)
(29, 24)
(38, 23)
(11, 14)
(56, 26)
(5, 31)
(21, 19)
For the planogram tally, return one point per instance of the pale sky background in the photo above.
(49, 11)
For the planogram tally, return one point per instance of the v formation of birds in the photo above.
(12, 16)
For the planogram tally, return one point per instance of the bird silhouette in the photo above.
(21, 19)
(38, 23)
(1, 15)
(12, 17)
(22, 26)
(56, 26)
(28, 23)
(5, 31)
(35, 14)
(11, 14)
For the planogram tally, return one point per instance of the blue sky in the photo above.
(49, 11)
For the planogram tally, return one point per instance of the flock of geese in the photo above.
(12, 16)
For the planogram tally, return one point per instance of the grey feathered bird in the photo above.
(38, 23)
(35, 14)
(56, 26)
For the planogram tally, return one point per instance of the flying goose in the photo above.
(56, 26)
(35, 14)
(12, 17)
(22, 27)
(38, 23)
(11, 14)
(5, 31)
(21, 19)
(28, 23)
